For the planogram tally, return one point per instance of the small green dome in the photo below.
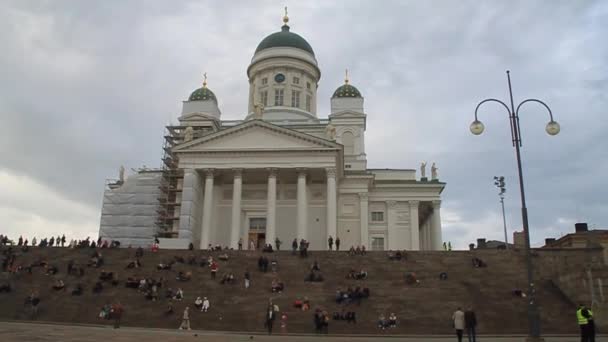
(284, 38)
(202, 94)
(347, 90)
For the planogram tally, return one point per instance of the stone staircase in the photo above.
(425, 308)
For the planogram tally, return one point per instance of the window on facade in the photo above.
(308, 85)
(377, 243)
(296, 80)
(295, 98)
(377, 216)
(265, 81)
(264, 97)
(308, 101)
(278, 97)
(348, 140)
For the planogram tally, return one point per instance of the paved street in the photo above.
(10, 332)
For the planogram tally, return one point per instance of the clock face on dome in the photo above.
(279, 78)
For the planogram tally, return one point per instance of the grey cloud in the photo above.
(88, 86)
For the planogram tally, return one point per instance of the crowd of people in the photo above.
(150, 287)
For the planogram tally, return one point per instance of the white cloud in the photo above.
(31, 209)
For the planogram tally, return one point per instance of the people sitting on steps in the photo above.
(277, 286)
(228, 278)
(198, 303)
(478, 263)
(98, 287)
(206, 305)
(184, 276)
(134, 264)
(58, 285)
(78, 290)
(179, 294)
(411, 279)
(314, 276)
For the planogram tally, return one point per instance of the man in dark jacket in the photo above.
(470, 322)
(270, 316)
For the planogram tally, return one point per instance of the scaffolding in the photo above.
(169, 199)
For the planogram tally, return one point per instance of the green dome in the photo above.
(202, 94)
(347, 90)
(284, 38)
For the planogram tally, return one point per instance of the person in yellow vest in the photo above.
(584, 317)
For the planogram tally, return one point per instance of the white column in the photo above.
(302, 205)
(331, 203)
(207, 208)
(186, 221)
(414, 226)
(237, 188)
(427, 234)
(390, 221)
(364, 211)
(436, 240)
(271, 210)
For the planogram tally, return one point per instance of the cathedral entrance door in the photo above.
(257, 232)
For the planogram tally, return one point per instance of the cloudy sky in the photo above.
(86, 86)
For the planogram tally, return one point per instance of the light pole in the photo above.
(500, 183)
(552, 128)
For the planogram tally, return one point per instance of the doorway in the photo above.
(257, 232)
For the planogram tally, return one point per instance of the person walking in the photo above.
(458, 318)
(277, 244)
(270, 316)
(330, 242)
(247, 279)
(117, 311)
(337, 243)
(294, 246)
(470, 322)
(185, 320)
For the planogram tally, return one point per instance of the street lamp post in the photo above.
(552, 128)
(500, 183)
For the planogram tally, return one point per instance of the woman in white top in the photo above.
(458, 318)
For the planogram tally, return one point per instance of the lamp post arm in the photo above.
(537, 101)
(491, 100)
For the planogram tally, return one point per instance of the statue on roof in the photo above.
(434, 172)
(188, 134)
(258, 111)
(330, 132)
(121, 174)
(423, 169)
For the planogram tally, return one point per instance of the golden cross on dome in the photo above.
(205, 80)
(346, 76)
(285, 17)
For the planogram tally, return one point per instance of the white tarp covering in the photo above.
(129, 212)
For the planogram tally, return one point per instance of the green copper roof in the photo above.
(347, 90)
(284, 38)
(202, 94)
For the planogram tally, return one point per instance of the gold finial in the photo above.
(346, 76)
(285, 17)
(205, 80)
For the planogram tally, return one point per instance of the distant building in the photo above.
(581, 238)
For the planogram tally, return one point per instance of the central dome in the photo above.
(284, 38)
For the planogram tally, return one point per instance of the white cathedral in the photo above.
(281, 172)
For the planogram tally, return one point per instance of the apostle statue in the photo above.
(423, 170)
(121, 174)
(188, 134)
(434, 172)
(258, 111)
(330, 132)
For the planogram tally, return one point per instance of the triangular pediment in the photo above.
(257, 135)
